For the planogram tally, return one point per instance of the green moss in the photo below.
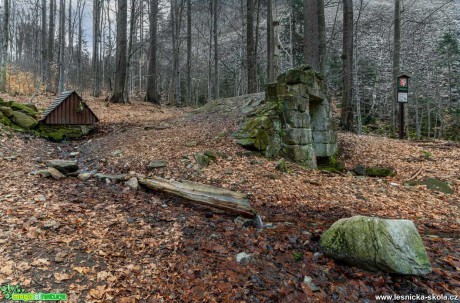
(379, 172)
(4, 120)
(23, 108)
(330, 164)
(59, 133)
(434, 184)
(23, 120)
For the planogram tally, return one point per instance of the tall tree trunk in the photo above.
(396, 58)
(188, 98)
(250, 48)
(270, 43)
(61, 44)
(132, 32)
(43, 40)
(6, 16)
(118, 95)
(216, 52)
(51, 33)
(347, 66)
(96, 38)
(81, 8)
(152, 93)
(314, 35)
(176, 17)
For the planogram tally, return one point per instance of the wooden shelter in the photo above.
(69, 109)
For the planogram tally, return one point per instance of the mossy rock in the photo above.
(434, 184)
(59, 133)
(379, 172)
(7, 111)
(24, 108)
(281, 166)
(4, 119)
(23, 120)
(330, 164)
(392, 246)
(202, 160)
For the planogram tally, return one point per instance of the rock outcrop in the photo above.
(295, 121)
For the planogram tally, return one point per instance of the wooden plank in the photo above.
(202, 194)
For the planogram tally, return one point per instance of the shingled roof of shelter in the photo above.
(56, 103)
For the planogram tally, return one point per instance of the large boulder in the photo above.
(22, 120)
(24, 108)
(7, 111)
(4, 119)
(64, 166)
(392, 246)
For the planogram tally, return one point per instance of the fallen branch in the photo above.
(415, 175)
(220, 198)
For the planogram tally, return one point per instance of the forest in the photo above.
(230, 150)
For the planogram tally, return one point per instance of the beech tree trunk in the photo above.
(96, 38)
(216, 52)
(119, 92)
(44, 64)
(251, 48)
(61, 45)
(314, 35)
(51, 35)
(347, 67)
(152, 93)
(396, 59)
(188, 98)
(5, 40)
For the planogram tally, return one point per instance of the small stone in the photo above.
(309, 281)
(244, 222)
(160, 126)
(74, 154)
(210, 154)
(133, 183)
(110, 178)
(228, 172)
(51, 224)
(84, 176)
(191, 144)
(281, 166)
(117, 153)
(360, 170)
(244, 258)
(202, 160)
(60, 257)
(43, 173)
(55, 173)
(156, 164)
(214, 236)
(64, 166)
(40, 198)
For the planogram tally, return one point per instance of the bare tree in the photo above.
(216, 51)
(96, 41)
(61, 45)
(51, 34)
(346, 119)
(188, 98)
(396, 58)
(44, 64)
(5, 40)
(314, 35)
(251, 48)
(118, 92)
(152, 90)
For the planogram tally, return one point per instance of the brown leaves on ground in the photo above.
(110, 244)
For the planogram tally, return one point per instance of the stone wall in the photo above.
(295, 121)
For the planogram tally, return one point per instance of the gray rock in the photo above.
(111, 178)
(55, 173)
(392, 246)
(51, 224)
(160, 126)
(156, 164)
(43, 173)
(132, 183)
(64, 166)
(22, 120)
(244, 258)
(74, 154)
(84, 176)
(309, 281)
(360, 170)
(117, 153)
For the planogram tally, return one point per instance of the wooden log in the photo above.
(220, 198)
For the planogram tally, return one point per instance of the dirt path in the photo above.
(101, 242)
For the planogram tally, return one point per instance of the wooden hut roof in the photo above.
(59, 100)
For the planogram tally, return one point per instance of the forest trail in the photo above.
(101, 242)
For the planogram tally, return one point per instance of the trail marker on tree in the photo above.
(403, 91)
